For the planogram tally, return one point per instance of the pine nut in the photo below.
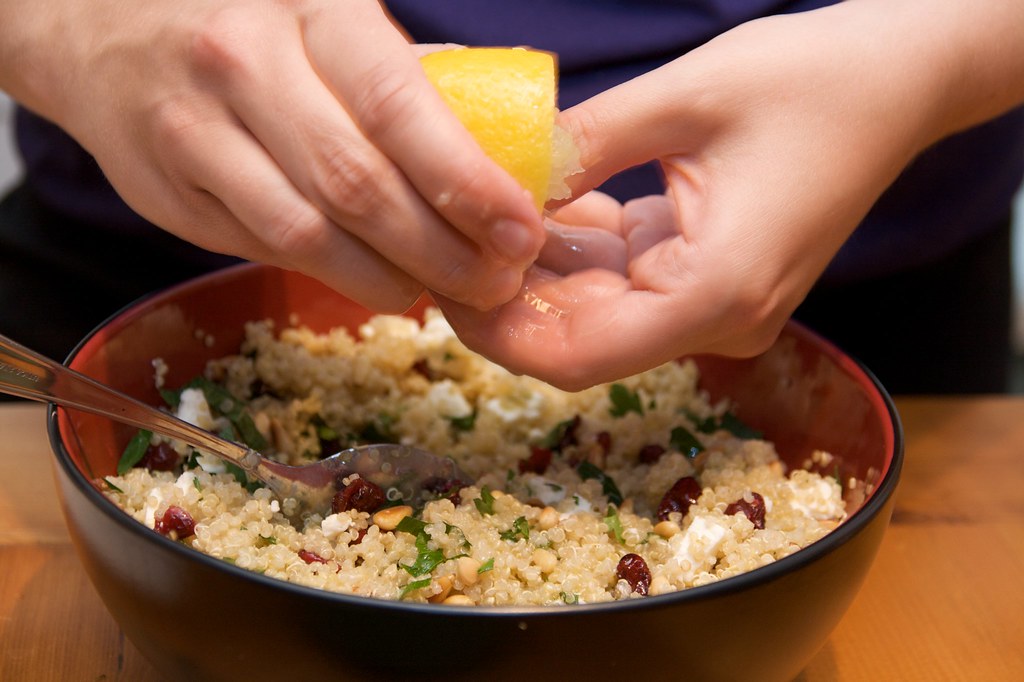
(466, 568)
(548, 518)
(666, 529)
(389, 517)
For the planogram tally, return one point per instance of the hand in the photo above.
(775, 139)
(302, 134)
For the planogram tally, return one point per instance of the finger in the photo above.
(648, 221)
(571, 248)
(632, 124)
(595, 326)
(264, 207)
(319, 148)
(593, 208)
(380, 81)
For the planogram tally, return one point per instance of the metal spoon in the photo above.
(404, 472)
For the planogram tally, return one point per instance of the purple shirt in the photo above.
(953, 192)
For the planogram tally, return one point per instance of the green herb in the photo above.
(520, 528)
(685, 442)
(555, 438)
(414, 585)
(411, 525)
(586, 471)
(465, 423)
(426, 559)
(624, 401)
(702, 424)
(485, 503)
(457, 532)
(222, 402)
(266, 541)
(733, 425)
(196, 484)
(172, 398)
(486, 566)
(134, 451)
(569, 598)
(325, 432)
(379, 430)
(614, 523)
(728, 421)
(112, 486)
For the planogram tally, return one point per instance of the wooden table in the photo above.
(943, 601)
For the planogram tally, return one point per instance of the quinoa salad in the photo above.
(636, 488)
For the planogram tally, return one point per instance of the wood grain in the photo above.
(942, 601)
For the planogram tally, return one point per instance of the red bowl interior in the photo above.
(803, 394)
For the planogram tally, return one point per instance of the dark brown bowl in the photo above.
(195, 617)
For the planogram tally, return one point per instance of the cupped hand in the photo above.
(302, 134)
(775, 139)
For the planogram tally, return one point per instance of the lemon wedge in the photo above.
(506, 98)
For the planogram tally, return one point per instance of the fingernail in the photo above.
(514, 241)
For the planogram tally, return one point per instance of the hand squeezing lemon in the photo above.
(506, 99)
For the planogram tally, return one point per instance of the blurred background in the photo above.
(10, 170)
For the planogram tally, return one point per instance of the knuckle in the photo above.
(351, 181)
(385, 100)
(295, 231)
(221, 45)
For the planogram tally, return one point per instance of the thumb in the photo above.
(644, 119)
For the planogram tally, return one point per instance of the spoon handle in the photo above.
(27, 374)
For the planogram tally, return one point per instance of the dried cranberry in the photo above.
(311, 557)
(633, 569)
(604, 439)
(422, 367)
(360, 534)
(360, 495)
(445, 488)
(649, 454)
(160, 457)
(679, 497)
(538, 461)
(752, 510)
(177, 521)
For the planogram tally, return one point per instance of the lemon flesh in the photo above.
(506, 99)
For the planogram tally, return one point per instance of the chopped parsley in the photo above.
(112, 486)
(486, 566)
(414, 585)
(728, 421)
(134, 451)
(379, 430)
(561, 434)
(733, 425)
(223, 403)
(520, 529)
(614, 523)
(586, 471)
(485, 503)
(465, 423)
(624, 401)
(412, 525)
(685, 442)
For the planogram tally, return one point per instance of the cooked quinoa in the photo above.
(637, 488)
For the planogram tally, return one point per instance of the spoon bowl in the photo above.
(407, 474)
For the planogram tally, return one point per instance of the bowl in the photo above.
(195, 617)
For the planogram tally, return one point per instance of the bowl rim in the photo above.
(880, 496)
